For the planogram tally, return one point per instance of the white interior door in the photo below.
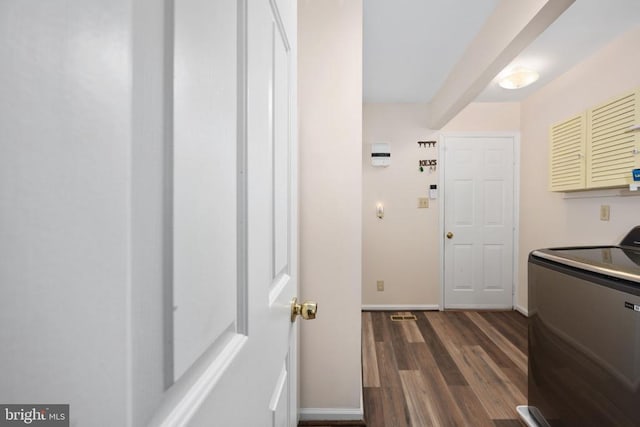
(234, 215)
(478, 221)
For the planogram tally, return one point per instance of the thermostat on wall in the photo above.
(433, 191)
(380, 154)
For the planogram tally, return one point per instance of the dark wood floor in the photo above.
(459, 368)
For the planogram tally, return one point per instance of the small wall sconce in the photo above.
(380, 210)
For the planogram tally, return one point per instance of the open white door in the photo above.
(478, 221)
(234, 215)
(148, 157)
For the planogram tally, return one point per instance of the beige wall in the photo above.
(403, 248)
(547, 219)
(330, 126)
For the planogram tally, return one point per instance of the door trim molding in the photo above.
(516, 203)
(441, 138)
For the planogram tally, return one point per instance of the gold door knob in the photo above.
(449, 235)
(307, 310)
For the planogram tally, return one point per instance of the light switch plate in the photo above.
(604, 212)
(423, 202)
(380, 285)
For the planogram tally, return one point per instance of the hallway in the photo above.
(444, 368)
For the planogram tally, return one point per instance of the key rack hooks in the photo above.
(426, 144)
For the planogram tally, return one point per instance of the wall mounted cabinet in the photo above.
(596, 149)
(567, 154)
(612, 148)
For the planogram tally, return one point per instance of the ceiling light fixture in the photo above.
(518, 78)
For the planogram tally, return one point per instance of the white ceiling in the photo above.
(410, 46)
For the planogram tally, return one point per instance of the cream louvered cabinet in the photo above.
(596, 149)
(612, 149)
(567, 155)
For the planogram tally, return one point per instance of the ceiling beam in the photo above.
(511, 27)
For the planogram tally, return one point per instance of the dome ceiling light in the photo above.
(518, 78)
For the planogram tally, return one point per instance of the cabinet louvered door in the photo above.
(612, 148)
(566, 155)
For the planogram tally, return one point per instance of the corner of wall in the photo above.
(330, 118)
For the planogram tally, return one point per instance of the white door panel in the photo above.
(479, 214)
(462, 260)
(204, 177)
(280, 123)
(234, 215)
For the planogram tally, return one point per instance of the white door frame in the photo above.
(516, 201)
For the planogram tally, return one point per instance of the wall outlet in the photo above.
(380, 285)
(423, 202)
(604, 212)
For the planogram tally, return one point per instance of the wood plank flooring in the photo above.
(453, 368)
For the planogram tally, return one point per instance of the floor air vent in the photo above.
(402, 317)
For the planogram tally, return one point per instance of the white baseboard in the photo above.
(522, 310)
(331, 414)
(479, 307)
(425, 307)
(400, 307)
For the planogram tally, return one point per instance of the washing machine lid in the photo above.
(613, 261)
